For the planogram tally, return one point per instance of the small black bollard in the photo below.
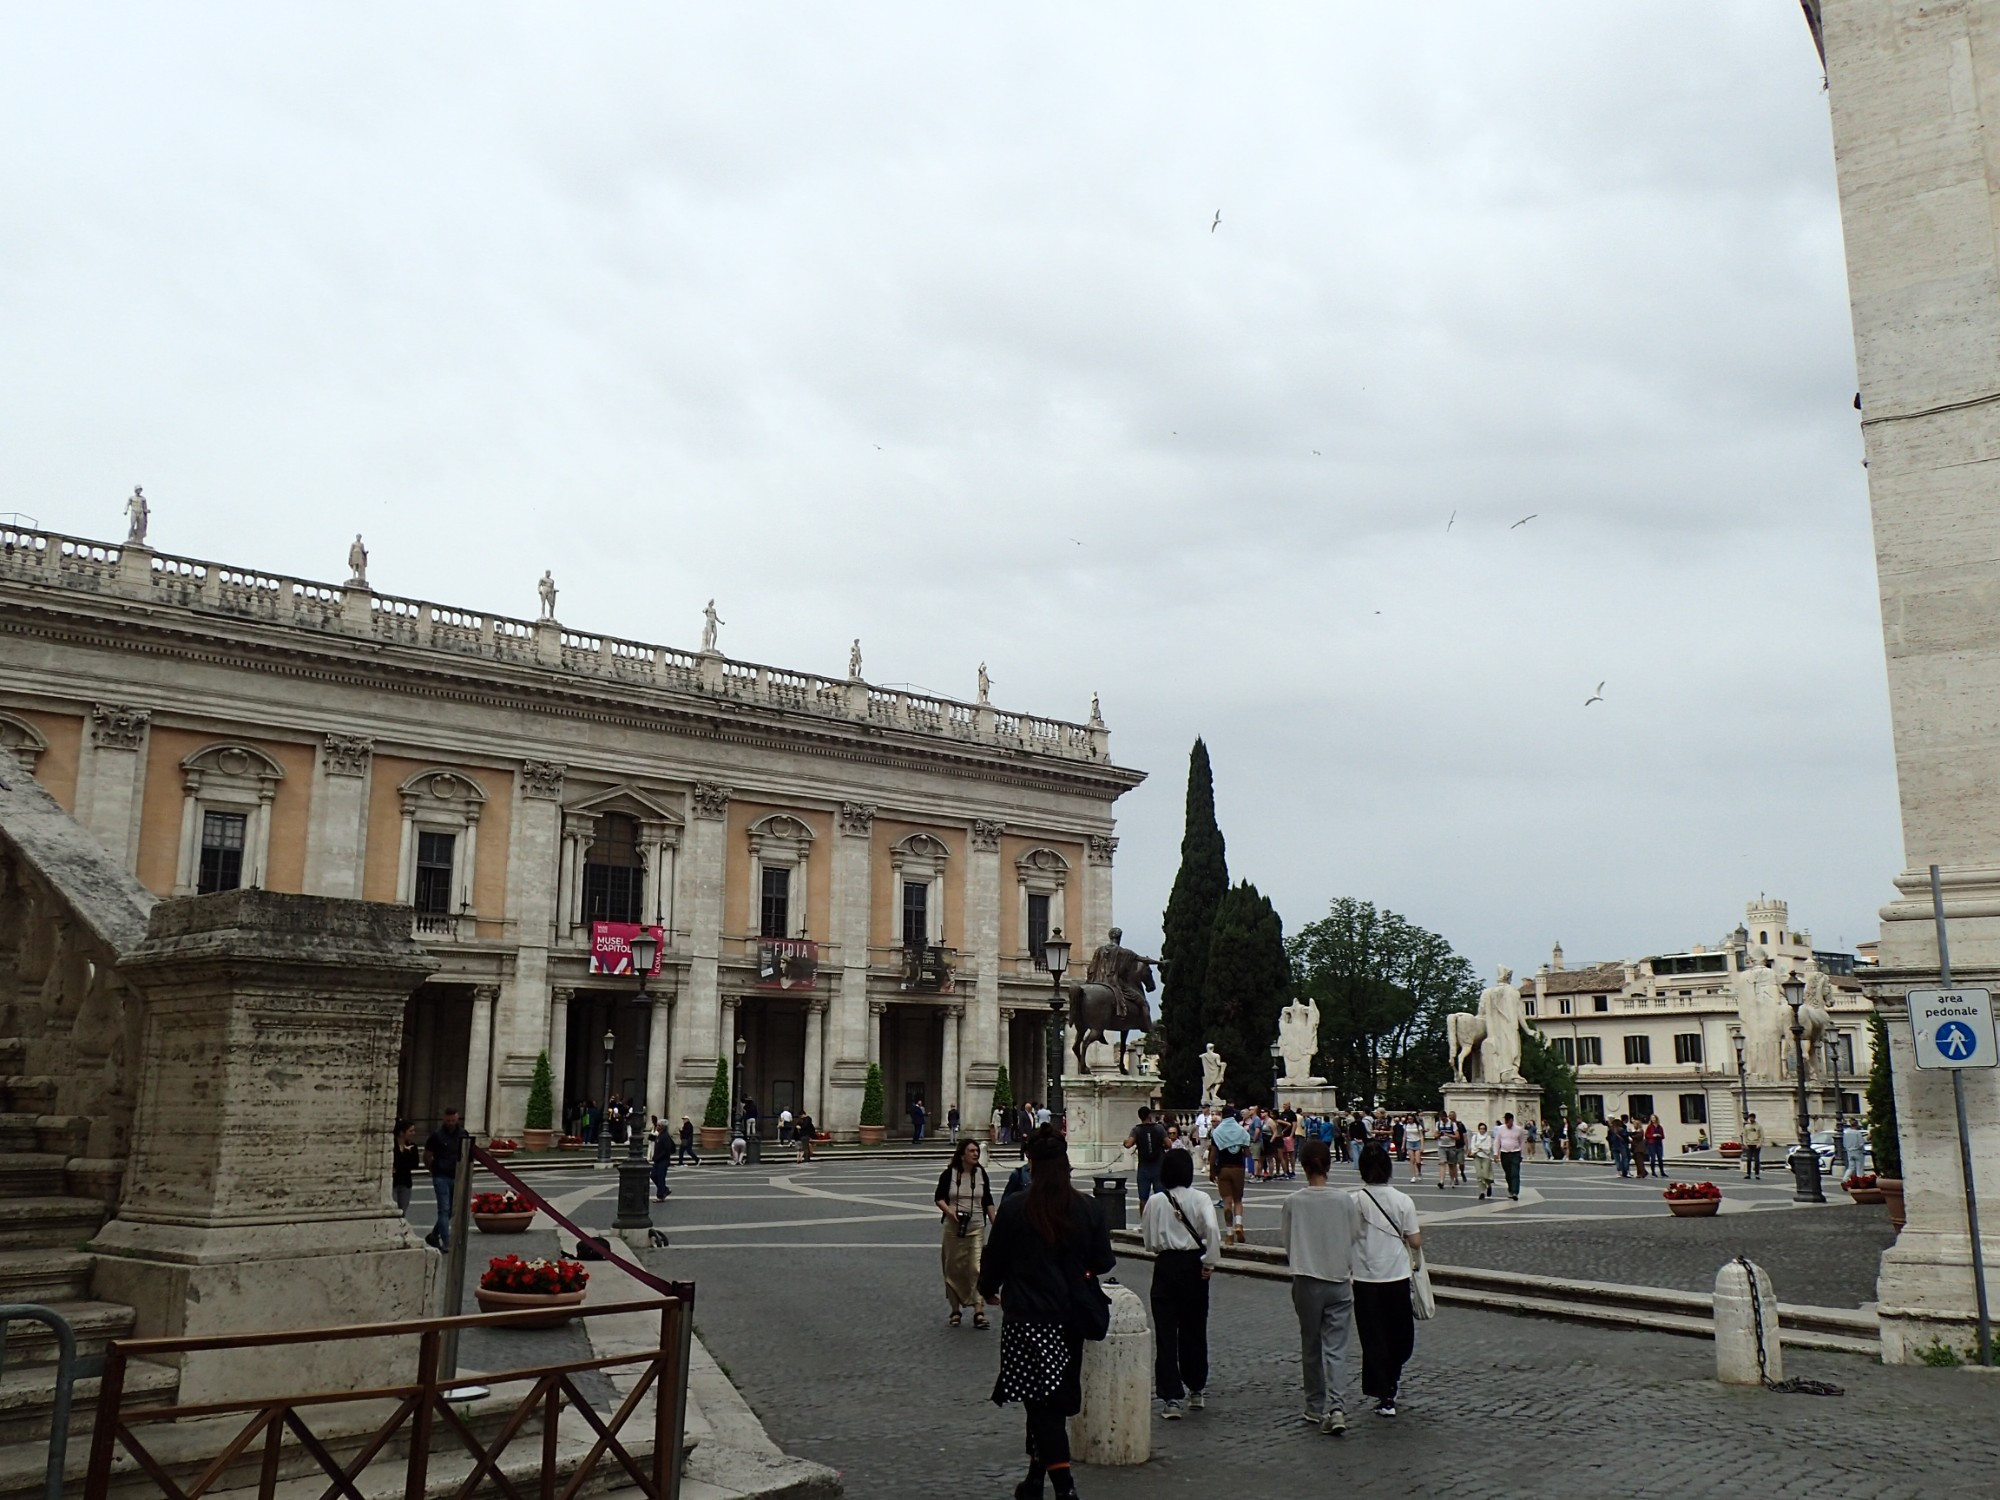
(1110, 1195)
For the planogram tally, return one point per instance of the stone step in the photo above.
(18, 1132)
(94, 1324)
(44, 1276)
(31, 1174)
(12, 1051)
(28, 1395)
(51, 1223)
(27, 1093)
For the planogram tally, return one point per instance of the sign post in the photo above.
(1953, 1029)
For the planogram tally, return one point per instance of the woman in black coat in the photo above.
(1046, 1243)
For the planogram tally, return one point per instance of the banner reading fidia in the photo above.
(611, 947)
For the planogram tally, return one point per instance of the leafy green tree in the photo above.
(1186, 932)
(1003, 1089)
(1249, 979)
(717, 1113)
(1384, 987)
(1882, 1137)
(542, 1096)
(1543, 1066)
(871, 1096)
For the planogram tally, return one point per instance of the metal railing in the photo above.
(52, 1482)
(424, 1407)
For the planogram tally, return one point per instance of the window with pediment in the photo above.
(226, 796)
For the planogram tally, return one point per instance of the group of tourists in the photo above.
(1039, 1253)
(588, 1121)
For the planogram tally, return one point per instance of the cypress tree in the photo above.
(1187, 929)
(1248, 981)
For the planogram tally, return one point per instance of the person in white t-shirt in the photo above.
(1382, 1267)
(784, 1127)
(1179, 1226)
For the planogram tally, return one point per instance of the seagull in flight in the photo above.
(1596, 697)
(1454, 517)
(1522, 522)
(1218, 220)
(1316, 453)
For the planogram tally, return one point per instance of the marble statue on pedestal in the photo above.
(1762, 1013)
(1212, 1069)
(1112, 998)
(357, 564)
(1298, 1040)
(854, 660)
(1501, 1009)
(141, 513)
(547, 589)
(710, 623)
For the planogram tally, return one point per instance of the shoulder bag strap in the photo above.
(1386, 1219)
(1200, 1243)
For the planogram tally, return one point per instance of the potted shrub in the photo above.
(1003, 1100)
(1883, 1138)
(502, 1213)
(541, 1119)
(1863, 1187)
(715, 1117)
(873, 1127)
(1693, 1200)
(511, 1284)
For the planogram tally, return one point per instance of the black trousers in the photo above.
(1180, 1324)
(1388, 1333)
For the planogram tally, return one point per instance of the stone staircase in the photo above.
(44, 1226)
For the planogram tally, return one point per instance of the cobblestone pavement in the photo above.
(819, 1294)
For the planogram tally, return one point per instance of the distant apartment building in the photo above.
(1659, 1035)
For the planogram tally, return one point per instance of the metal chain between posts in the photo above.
(1798, 1385)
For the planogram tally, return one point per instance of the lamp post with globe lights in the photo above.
(603, 1125)
(1805, 1161)
(635, 1214)
(1055, 954)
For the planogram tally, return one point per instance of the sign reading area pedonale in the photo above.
(1953, 1028)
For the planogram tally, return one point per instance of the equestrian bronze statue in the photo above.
(1112, 999)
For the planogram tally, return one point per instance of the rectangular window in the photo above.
(776, 918)
(916, 914)
(1591, 1105)
(1600, 1003)
(1639, 1106)
(1565, 1049)
(1694, 1109)
(1528, 1007)
(1038, 929)
(1638, 1049)
(432, 896)
(1590, 1051)
(1687, 1049)
(1565, 1005)
(221, 852)
(611, 893)
(1851, 1103)
(1845, 1051)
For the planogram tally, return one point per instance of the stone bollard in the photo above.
(1115, 1425)
(1736, 1317)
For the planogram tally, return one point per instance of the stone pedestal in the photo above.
(1776, 1106)
(1473, 1102)
(1736, 1326)
(1102, 1109)
(258, 1195)
(1313, 1098)
(1115, 1424)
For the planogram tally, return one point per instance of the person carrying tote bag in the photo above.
(1384, 1315)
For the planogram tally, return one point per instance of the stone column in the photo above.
(258, 1192)
(698, 1018)
(1914, 114)
(1097, 922)
(112, 780)
(337, 835)
(972, 1066)
(659, 1051)
(558, 1042)
(877, 1009)
(811, 1089)
(953, 1091)
(479, 1060)
(854, 1037)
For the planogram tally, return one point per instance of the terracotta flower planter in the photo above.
(872, 1135)
(713, 1137)
(1694, 1208)
(537, 1140)
(1891, 1189)
(503, 1223)
(1731, 1152)
(559, 1304)
(1868, 1194)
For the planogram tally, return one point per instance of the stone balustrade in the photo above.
(47, 559)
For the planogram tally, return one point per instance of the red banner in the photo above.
(611, 947)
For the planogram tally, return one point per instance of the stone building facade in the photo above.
(1660, 1034)
(840, 874)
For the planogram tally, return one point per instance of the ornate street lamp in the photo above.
(1055, 956)
(635, 1214)
(1742, 1086)
(604, 1125)
(736, 1109)
(1805, 1161)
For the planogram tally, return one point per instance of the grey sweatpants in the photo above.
(1326, 1315)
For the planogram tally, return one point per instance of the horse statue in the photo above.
(1112, 1000)
(1465, 1033)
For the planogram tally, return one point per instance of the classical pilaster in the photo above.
(877, 1009)
(1099, 850)
(337, 833)
(813, 1090)
(659, 1054)
(698, 1018)
(523, 1025)
(479, 1060)
(970, 1069)
(954, 1089)
(853, 1039)
(558, 1040)
(112, 779)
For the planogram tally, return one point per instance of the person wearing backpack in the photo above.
(1180, 1228)
(1148, 1143)
(1049, 1244)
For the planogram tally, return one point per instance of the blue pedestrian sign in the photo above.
(1953, 1028)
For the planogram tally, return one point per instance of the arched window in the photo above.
(614, 876)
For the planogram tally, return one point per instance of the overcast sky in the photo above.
(909, 323)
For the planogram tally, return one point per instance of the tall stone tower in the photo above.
(1915, 96)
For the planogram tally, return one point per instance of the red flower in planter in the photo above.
(510, 1273)
(501, 1203)
(1862, 1180)
(1690, 1192)
(502, 1143)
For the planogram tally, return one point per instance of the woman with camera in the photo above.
(965, 1199)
